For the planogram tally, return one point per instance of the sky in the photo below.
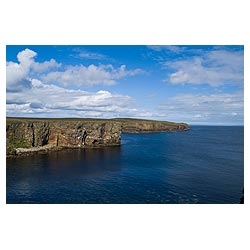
(194, 84)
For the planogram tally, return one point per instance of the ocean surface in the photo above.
(203, 165)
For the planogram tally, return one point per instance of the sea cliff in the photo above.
(25, 135)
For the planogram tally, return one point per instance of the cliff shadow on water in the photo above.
(69, 163)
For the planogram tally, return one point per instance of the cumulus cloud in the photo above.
(216, 68)
(91, 75)
(45, 66)
(26, 56)
(19, 75)
(221, 108)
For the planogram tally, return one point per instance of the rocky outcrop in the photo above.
(33, 135)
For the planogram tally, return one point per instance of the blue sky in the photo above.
(193, 84)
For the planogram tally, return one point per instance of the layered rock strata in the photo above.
(32, 135)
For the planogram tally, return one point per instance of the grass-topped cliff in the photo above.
(130, 125)
(35, 134)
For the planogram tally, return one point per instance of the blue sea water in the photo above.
(203, 165)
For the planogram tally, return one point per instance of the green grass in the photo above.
(132, 120)
(10, 120)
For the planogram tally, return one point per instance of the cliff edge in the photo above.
(148, 126)
(25, 135)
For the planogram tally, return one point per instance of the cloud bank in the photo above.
(215, 68)
(92, 75)
(53, 101)
(218, 109)
(32, 89)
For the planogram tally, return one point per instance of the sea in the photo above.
(204, 165)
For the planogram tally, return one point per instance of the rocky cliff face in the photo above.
(151, 126)
(30, 135)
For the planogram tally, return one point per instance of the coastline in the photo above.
(26, 136)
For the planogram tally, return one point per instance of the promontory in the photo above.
(28, 135)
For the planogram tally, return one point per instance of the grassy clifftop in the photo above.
(123, 120)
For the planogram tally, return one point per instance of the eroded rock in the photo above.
(31, 135)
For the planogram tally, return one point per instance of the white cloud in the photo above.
(43, 100)
(45, 66)
(85, 54)
(50, 100)
(90, 55)
(91, 75)
(31, 90)
(25, 57)
(200, 116)
(170, 48)
(216, 68)
(206, 109)
(18, 75)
